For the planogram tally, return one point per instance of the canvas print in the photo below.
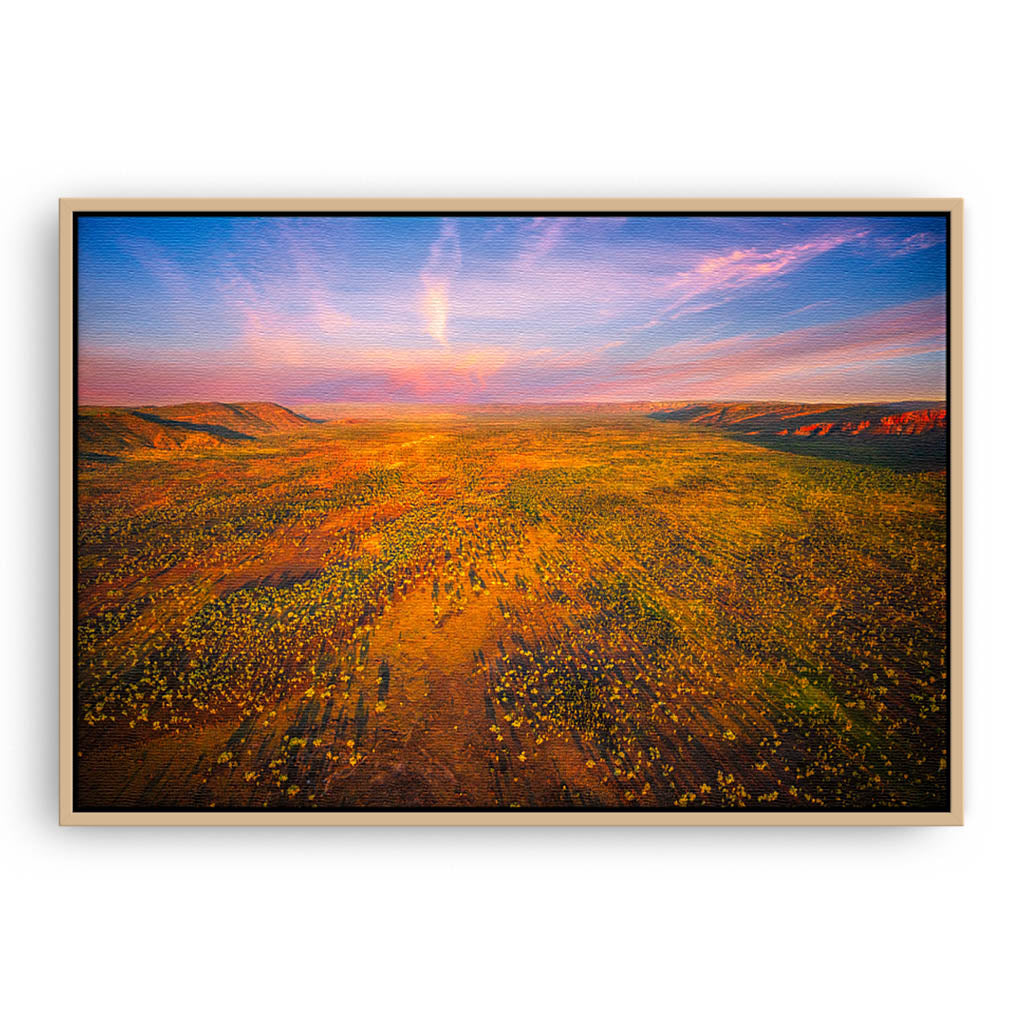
(476, 512)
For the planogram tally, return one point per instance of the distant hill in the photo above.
(107, 432)
(903, 435)
(360, 411)
(782, 418)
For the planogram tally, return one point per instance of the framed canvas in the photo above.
(511, 512)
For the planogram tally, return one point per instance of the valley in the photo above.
(671, 606)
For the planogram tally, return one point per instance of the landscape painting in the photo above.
(416, 511)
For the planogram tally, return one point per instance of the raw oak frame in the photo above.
(952, 207)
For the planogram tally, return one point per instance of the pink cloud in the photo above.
(858, 357)
(544, 234)
(913, 243)
(557, 318)
(715, 278)
(915, 328)
(442, 264)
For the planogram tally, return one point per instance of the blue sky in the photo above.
(478, 309)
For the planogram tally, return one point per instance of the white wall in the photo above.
(769, 99)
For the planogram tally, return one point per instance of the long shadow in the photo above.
(87, 458)
(915, 453)
(225, 433)
(242, 411)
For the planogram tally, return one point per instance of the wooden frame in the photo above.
(952, 207)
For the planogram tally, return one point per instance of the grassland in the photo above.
(508, 609)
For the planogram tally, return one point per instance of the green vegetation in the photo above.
(515, 610)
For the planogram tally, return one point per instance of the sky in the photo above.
(462, 309)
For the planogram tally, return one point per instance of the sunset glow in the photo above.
(510, 309)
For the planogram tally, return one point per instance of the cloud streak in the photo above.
(757, 366)
(510, 309)
(442, 265)
(715, 279)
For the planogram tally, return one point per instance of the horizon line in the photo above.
(507, 402)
